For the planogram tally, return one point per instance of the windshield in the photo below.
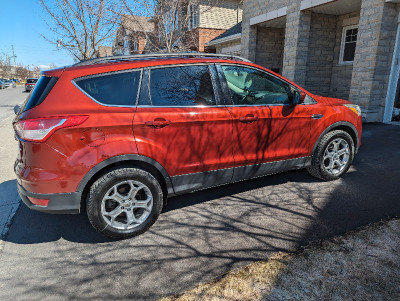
(31, 80)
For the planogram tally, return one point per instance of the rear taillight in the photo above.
(38, 130)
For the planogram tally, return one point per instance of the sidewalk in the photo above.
(9, 198)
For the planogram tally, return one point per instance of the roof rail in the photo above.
(149, 56)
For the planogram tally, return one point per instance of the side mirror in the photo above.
(296, 98)
(303, 97)
(16, 109)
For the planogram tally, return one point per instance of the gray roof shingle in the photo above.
(230, 32)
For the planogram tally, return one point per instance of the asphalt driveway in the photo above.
(200, 235)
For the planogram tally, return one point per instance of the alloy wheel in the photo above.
(336, 156)
(126, 205)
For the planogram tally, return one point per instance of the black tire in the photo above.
(109, 180)
(317, 169)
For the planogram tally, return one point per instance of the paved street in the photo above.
(198, 236)
(10, 97)
(9, 199)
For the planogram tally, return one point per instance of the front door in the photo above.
(267, 128)
(179, 124)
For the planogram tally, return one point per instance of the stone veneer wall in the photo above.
(320, 53)
(365, 82)
(374, 51)
(297, 37)
(341, 74)
(269, 47)
(253, 8)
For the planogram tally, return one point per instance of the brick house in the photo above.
(132, 35)
(205, 22)
(229, 42)
(339, 48)
(209, 21)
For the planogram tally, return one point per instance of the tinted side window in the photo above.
(40, 92)
(181, 86)
(112, 89)
(252, 87)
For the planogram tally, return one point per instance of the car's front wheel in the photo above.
(333, 156)
(124, 202)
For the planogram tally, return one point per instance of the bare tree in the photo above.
(174, 22)
(80, 26)
(5, 65)
(21, 72)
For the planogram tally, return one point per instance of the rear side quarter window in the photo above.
(42, 89)
(117, 89)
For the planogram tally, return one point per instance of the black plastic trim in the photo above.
(122, 158)
(263, 169)
(332, 127)
(59, 203)
(202, 180)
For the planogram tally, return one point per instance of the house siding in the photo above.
(222, 16)
(229, 47)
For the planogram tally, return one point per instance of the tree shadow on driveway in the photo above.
(200, 235)
(31, 227)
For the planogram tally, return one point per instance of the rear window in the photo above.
(40, 92)
(31, 80)
(117, 89)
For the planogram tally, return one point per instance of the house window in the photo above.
(193, 13)
(135, 44)
(127, 46)
(349, 42)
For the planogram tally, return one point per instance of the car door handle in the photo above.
(158, 123)
(317, 116)
(248, 118)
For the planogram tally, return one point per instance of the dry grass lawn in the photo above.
(361, 265)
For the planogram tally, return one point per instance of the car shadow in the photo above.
(31, 227)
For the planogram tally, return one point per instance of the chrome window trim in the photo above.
(260, 70)
(264, 72)
(134, 102)
(220, 106)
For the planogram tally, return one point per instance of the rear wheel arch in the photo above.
(142, 162)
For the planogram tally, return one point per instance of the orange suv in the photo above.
(119, 135)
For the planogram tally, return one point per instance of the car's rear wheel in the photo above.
(124, 202)
(333, 156)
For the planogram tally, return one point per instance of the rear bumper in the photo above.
(59, 203)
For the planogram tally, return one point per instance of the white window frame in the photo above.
(194, 16)
(345, 28)
(135, 44)
(127, 46)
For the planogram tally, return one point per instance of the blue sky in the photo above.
(21, 25)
